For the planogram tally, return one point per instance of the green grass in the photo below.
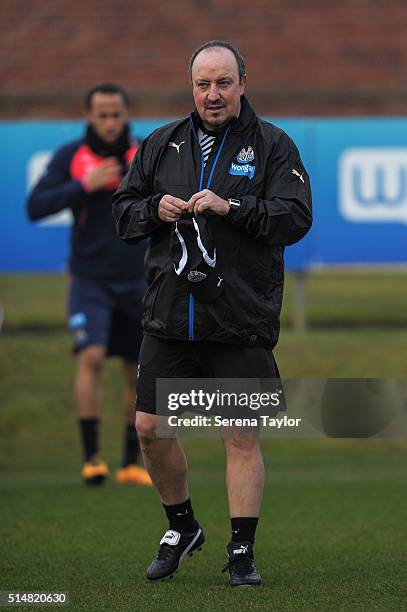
(329, 537)
(333, 518)
(334, 299)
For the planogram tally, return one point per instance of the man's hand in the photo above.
(104, 174)
(207, 200)
(170, 208)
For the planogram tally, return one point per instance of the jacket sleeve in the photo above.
(284, 214)
(135, 206)
(56, 190)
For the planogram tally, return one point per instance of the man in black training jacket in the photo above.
(220, 194)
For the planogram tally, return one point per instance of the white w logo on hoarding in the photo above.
(36, 168)
(373, 185)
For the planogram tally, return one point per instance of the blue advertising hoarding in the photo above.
(360, 191)
(25, 148)
(358, 170)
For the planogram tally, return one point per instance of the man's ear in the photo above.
(243, 81)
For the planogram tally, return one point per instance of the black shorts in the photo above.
(182, 359)
(106, 314)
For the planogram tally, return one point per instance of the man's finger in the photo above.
(168, 216)
(168, 198)
(171, 208)
(180, 204)
(196, 202)
(110, 161)
(202, 206)
(197, 205)
(171, 217)
(195, 197)
(113, 168)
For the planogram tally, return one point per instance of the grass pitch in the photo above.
(333, 525)
(330, 536)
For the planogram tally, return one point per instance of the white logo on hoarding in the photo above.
(36, 168)
(373, 184)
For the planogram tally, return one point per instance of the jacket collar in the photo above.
(117, 148)
(246, 118)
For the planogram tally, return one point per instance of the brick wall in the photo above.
(303, 57)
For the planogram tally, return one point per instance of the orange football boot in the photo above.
(95, 472)
(133, 474)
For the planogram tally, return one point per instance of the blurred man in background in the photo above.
(106, 276)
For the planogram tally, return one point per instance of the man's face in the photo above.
(216, 86)
(108, 115)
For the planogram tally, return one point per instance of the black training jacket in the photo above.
(258, 164)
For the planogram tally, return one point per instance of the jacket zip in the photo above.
(215, 161)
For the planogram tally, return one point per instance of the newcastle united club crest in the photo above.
(246, 156)
(243, 166)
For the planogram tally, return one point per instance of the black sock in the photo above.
(181, 517)
(131, 445)
(89, 429)
(243, 528)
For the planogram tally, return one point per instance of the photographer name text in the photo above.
(218, 421)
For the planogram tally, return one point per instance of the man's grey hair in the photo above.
(225, 45)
